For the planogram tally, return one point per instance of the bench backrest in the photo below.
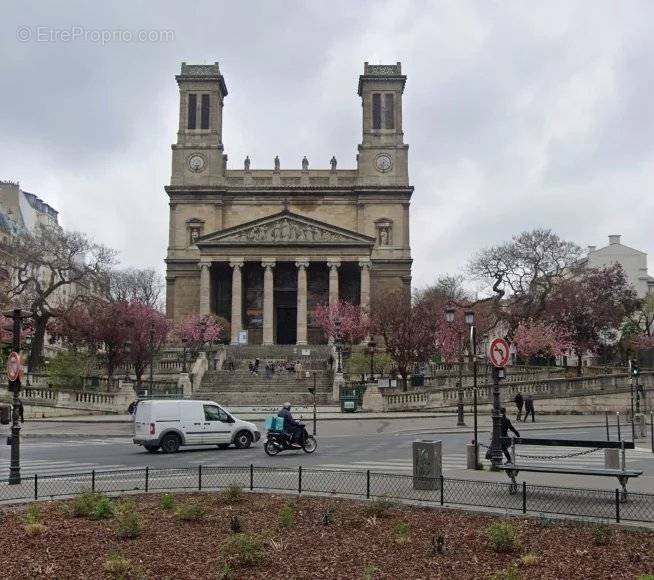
(573, 443)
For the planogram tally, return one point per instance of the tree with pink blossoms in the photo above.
(197, 332)
(147, 335)
(539, 339)
(343, 321)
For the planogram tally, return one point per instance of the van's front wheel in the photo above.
(170, 443)
(243, 440)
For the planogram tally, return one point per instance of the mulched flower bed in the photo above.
(323, 538)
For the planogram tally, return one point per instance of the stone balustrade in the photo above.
(394, 399)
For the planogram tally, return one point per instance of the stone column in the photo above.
(268, 294)
(364, 264)
(302, 264)
(205, 287)
(333, 266)
(237, 293)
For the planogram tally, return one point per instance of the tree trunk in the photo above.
(404, 374)
(579, 361)
(38, 338)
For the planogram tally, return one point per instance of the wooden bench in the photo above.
(623, 474)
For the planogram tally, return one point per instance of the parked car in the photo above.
(169, 424)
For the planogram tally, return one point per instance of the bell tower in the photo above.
(382, 158)
(198, 154)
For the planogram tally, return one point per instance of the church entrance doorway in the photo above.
(285, 303)
(286, 325)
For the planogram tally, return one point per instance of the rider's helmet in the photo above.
(287, 406)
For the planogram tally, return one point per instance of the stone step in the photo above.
(263, 398)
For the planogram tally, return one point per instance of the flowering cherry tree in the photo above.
(343, 321)
(198, 331)
(534, 338)
(147, 335)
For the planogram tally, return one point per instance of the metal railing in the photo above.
(593, 504)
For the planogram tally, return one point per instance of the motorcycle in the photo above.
(277, 441)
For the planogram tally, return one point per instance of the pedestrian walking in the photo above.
(298, 370)
(505, 427)
(330, 362)
(529, 408)
(519, 401)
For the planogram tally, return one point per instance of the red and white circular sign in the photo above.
(14, 366)
(499, 353)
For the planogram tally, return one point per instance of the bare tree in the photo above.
(524, 272)
(132, 284)
(51, 271)
(447, 288)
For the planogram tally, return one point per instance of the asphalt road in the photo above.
(383, 446)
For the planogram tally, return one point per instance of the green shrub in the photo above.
(378, 507)
(68, 368)
(104, 509)
(128, 520)
(601, 534)
(191, 511)
(167, 501)
(401, 533)
(370, 571)
(502, 536)
(33, 515)
(243, 549)
(510, 573)
(286, 516)
(89, 504)
(646, 577)
(117, 567)
(233, 493)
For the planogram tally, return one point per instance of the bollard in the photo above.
(251, 477)
(472, 461)
(367, 484)
(427, 464)
(299, 479)
(617, 415)
(524, 497)
(147, 479)
(606, 417)
(36, 486)
(200, 477)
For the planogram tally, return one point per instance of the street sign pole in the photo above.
(499, 358)
(14, 465)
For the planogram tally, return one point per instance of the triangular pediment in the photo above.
(285, 228)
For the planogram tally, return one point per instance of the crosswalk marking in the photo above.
(35, 443)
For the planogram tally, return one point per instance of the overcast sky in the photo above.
(518, 114)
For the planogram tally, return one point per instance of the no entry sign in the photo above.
(499, 353)
(14, 367)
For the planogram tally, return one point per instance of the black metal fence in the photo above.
(605, 505)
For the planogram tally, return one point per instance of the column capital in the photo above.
(365, 263)
(302, 262)
(268, 262)
(334, 262)
(236, 262)
(204, 264)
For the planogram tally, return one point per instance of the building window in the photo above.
(389, 118)
(383, 111)
(376, 111)
(204, 112)
(192, 108)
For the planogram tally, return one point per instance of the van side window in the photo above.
(213, 413)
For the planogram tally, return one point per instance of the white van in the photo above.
(167, 425)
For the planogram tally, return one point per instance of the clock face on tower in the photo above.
(383, 162)
(196, 163)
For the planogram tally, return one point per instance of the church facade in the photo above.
(263, 247)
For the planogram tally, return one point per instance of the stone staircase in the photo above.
(241, 387)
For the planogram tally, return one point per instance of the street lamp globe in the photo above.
(469, 316)
(449, 315)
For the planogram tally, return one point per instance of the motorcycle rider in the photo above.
(291, 426)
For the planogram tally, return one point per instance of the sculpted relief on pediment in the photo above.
(285, 230)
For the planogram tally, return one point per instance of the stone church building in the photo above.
(263, 247)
